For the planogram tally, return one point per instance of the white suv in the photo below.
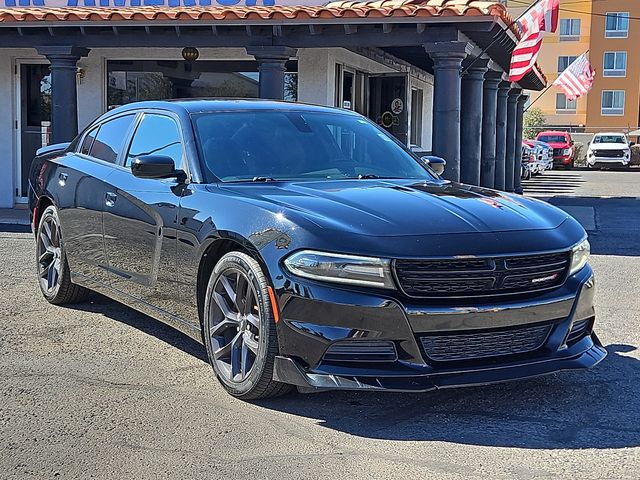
(608, 150)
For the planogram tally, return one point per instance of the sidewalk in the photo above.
(14, 216)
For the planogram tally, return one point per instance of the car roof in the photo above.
(613, 134)
(201, 105)
(553, 132)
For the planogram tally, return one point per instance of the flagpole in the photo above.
(548, 88)
(495, 40)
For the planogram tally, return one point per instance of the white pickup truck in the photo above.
(608, 150)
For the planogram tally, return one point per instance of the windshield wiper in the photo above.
(373, 176)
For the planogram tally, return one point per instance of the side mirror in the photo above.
(631, 144)
(571, 142)
(437, 164)
(155, 166)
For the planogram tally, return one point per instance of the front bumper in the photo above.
(322, 316)
(608, 162)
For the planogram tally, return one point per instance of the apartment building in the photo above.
(608, 30)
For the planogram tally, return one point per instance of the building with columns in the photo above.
(432, 73)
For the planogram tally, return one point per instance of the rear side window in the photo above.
(156, 135)
(110, 138)
(85, 148)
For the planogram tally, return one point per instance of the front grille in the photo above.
(470, 346)
(361, 351)
(481, 276)
(609, 153)
(557, 152)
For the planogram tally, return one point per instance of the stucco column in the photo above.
(447, 66)
(522, 100)
(512, 148)
(64, 94)
(489, 110)
(501, 134)
(471, 120)
(271, 65)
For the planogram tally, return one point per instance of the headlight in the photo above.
(338, 268)
(580, 256)
(566, 151)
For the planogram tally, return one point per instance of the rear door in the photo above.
(80, 186)
(141, 215)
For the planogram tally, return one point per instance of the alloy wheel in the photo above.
(235, 326)
(49, 254)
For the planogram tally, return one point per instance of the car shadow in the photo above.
(568, 410)
(121, 313)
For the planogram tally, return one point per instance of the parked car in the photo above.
(563, 147)
(306, 246)
(545, 155)
(539, 160)
(529, 162)
(609, 150)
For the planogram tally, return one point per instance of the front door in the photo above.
(140, 218)
(388, 104)
(35, 120)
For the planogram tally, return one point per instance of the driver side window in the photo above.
(156, 135)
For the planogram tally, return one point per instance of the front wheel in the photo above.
(54, 276)
(240, 329)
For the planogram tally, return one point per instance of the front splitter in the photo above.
(286, 370)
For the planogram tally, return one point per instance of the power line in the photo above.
(591, 14)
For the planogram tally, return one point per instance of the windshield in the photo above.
(553, 138)
(288, 145)
(609, 139)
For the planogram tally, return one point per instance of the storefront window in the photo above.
(139, 80)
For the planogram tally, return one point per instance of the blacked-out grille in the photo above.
(557, 152)
(442, 278)
(609, 153)
(470, 346)
(361, 351)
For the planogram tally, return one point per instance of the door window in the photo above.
(110, 138)
(156, 135)
(85, 148)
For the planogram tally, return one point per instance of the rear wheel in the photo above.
(54, 276)
(240, 330)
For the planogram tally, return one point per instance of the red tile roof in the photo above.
(340, 9)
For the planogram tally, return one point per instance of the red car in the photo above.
(562, 143)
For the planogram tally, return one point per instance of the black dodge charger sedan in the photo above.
(305, 246)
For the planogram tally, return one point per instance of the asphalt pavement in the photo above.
(100, 391)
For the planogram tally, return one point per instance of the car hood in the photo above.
(399, 208)
(608, 146)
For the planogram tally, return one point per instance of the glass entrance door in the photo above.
(388, 104)
(35, 119)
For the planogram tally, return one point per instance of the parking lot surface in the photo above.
(100, 391)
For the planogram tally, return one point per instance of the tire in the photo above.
(239, 328)
(54, 277)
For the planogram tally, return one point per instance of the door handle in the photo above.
(110, 199)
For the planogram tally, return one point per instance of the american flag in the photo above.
(540, 19)
(577, 78)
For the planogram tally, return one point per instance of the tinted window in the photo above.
(552, 138)
(285, 145)
(110, 138)
(609, 139)
(88, 141)
(156, 135)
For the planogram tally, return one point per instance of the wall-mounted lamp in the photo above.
(190, 54)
